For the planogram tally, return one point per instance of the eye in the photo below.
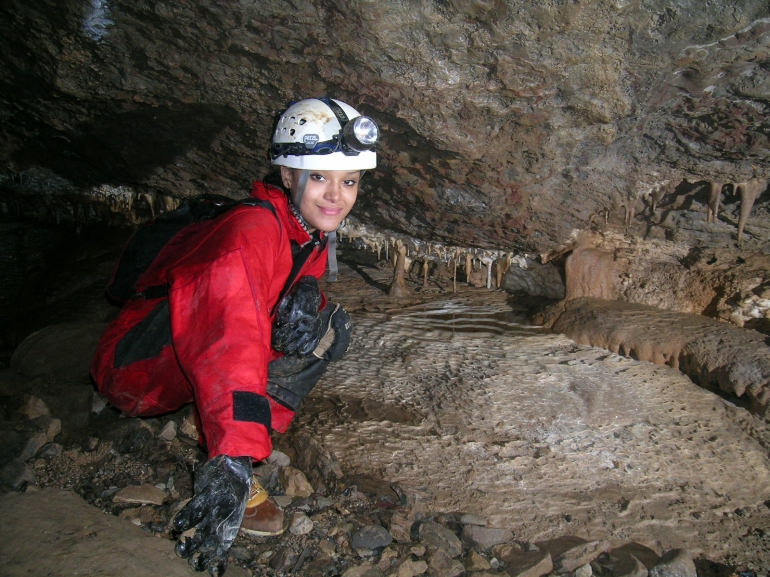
(318, 177)
(351, 182)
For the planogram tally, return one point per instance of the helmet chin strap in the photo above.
(332, 252)
(303, 176)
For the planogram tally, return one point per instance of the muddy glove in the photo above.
(336, 340)
(216, 511)
(298, 324)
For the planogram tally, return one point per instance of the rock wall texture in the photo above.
(506, 124)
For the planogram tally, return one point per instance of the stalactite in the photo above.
(468, 267)
(425, 268)
(398, 287)
(715, 191)
(749, 192)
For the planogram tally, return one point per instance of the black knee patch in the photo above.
(252, 408)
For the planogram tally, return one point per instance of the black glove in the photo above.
(216, 510)
(336, 340)
(298, 325)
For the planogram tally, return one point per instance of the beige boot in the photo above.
(263, 517)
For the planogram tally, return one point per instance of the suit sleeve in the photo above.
(221, 331)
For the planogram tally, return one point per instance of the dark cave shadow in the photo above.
(126, 146)
(367, 279)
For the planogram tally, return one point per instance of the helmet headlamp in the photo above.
(361, 133)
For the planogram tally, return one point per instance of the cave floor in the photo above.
(453, 392)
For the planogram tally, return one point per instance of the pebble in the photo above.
(674, 563)
(279, 458)
(471, 519)
(584, 571)
(241, 554)
(98, 403)
(17, 475)
(371, 537)
(435, 535)
(33, 407)
(484, 538)
(141, 494)
(630, 567)
(417, 550)
(365, 570)
(441, 564)
(411, 568)
(401, 526)
(168, 432)
(327, 549)
(294, 482)
(283, 560)
(50, 426)
(530, 564)
(50, 450)
(34, 443)
(187, 427)
(388, 558)
(476, 562)
(282, 501)
(300, 524)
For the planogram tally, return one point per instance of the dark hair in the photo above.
(273, 178)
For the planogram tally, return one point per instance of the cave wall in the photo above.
(506, 124)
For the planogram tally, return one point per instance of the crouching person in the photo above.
(229, 317)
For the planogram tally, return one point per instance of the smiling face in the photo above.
(329, 195)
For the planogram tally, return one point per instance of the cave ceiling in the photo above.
(505, 124)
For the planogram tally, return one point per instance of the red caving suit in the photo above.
(224, 280)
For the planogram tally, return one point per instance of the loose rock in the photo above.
(168, 432)
(17, 475)
(371, 537)
(441, 564)
(50, 426)
(476, 562)
(365, 570)
(438, 536)
(674, 563)
(484, 538)
(295, 483)
(141, 494)
(647, 556)
(401, 526)
(300, 524)
(279, 458)
(569, 553)
(531, 564)
(411, 568)
(471, 519)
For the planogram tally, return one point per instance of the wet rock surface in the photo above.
(452, 440)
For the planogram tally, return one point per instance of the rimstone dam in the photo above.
(558, 276)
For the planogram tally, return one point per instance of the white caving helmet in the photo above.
(324, 134)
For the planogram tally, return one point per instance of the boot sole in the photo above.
(255, 533)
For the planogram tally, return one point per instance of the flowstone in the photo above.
(538, 434)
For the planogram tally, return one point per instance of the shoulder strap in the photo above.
(298, 262)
